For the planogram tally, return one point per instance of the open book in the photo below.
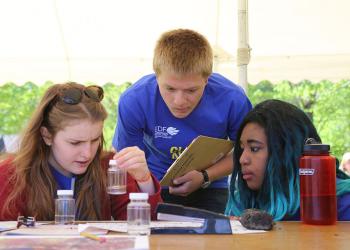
(203, 152)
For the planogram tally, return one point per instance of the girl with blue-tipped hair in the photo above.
(269, 144)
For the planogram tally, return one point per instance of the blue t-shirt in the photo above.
(63, 182)
(144, 120)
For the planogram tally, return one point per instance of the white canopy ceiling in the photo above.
(112, 40)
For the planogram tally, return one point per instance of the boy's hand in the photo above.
(187, 183)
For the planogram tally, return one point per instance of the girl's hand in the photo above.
(134, 161)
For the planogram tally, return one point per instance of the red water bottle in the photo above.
(317, 172)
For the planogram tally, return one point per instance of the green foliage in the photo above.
(332, 116)
(110, 101)
(17, 104)
(262, 91)
(325, 102)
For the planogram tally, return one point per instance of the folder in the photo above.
(213, 223)
(203, 152)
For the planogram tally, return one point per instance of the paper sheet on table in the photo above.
(103, 228)
(115, 242)
(45, 229)
(92, 228)
(7, 225)
(173, 224)
(237, 228)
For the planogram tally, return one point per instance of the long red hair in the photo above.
(32, 179)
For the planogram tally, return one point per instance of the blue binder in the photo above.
(214, 223)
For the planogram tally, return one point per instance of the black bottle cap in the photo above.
(312, 145)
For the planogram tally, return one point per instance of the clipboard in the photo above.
(203, 152)
(212, 223)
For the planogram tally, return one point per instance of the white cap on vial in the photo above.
(138, 196)
(65, 192)
(112, 162)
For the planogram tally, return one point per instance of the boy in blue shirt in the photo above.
(163, 112)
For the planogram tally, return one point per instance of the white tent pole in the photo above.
(243, 49)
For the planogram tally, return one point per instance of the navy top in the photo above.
(343, 207)
(63, 182)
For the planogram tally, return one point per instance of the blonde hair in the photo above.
(183, 51)
(346, 157)
(32, 178)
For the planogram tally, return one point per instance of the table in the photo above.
(285, 235)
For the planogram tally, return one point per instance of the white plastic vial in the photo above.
(64, 207)
(139, 214)
(116, 179)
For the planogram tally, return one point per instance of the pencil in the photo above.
(93, 237)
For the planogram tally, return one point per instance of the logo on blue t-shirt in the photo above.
(175, 152)
(165, 132)
(172, 131)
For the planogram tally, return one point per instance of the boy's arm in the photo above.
(193, 180)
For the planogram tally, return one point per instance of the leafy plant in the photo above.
(325, 102)
(17, 104)
(110, 101)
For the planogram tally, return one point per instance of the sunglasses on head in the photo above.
(73, 96)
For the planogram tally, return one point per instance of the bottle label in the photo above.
(306, 171)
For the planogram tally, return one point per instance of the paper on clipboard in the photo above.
(203, 152)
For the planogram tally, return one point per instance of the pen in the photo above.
(93, 237)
